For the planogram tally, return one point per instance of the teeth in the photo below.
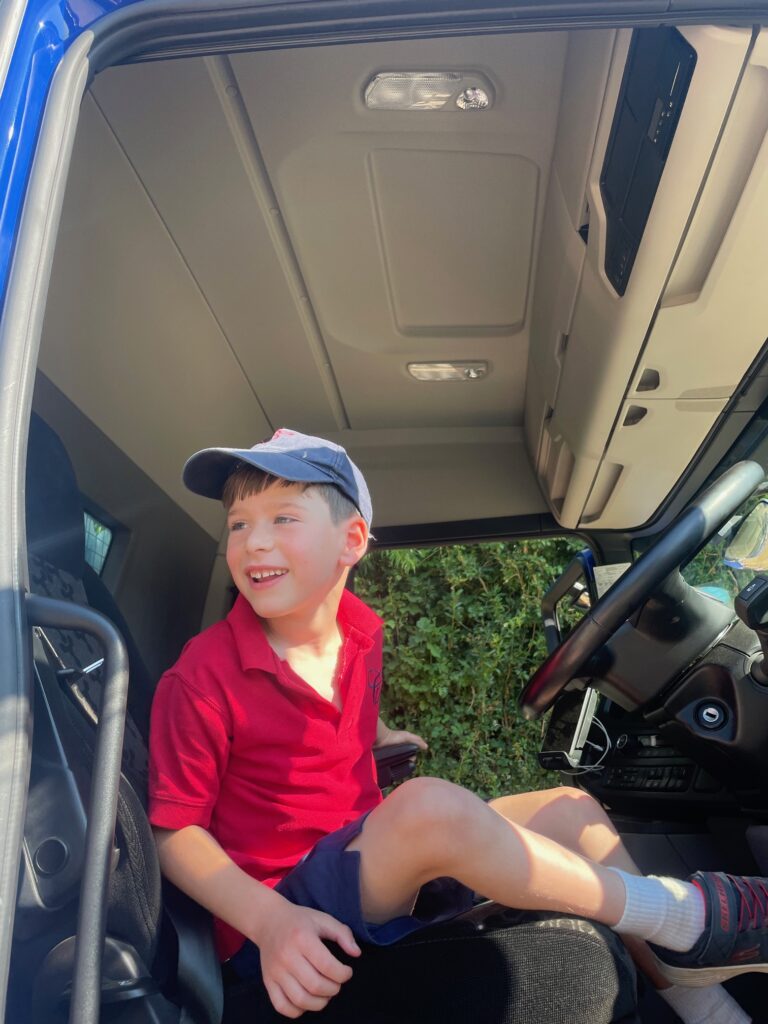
(266, 575)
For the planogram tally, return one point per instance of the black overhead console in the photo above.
(659, 68)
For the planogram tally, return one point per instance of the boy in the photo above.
(263, 792)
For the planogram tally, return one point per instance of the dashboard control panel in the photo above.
(675, 777)
(638, 765)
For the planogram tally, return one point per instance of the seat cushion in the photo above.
(545, 968)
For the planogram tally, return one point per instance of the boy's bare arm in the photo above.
(193, 860)
(299, 971)
(385, 736)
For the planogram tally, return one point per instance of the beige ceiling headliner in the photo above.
(245, 246)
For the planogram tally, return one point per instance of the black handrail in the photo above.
(99, 838)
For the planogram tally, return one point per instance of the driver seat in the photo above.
(545, 967)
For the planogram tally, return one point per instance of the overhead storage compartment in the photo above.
(621, 402)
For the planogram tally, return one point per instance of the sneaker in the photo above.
(735, 936)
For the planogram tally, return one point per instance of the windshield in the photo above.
(734, 555)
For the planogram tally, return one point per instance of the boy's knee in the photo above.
(430, 806)
(582, 805)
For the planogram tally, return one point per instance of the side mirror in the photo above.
(569, 598)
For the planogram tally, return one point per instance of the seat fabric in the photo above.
(548, 968)
(77, 650)
(56, 537)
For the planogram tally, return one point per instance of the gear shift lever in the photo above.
(751, 605)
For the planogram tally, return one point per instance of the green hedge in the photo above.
(463, 634)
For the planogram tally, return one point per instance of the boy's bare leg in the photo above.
(428, 828)
(572, 818)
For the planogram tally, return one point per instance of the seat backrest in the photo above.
(69, 678)
(56, 539)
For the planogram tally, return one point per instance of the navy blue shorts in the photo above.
(328, 879)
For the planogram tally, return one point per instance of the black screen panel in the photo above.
(659, 69)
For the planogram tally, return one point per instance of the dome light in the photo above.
(428, 90)
(448, 371)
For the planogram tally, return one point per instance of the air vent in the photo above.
(634, 414)
(649, 380)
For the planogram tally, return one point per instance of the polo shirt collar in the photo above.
(253, 647)
(356, 613)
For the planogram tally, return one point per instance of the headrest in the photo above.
(55, 529)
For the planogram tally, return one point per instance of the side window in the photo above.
(463, 634)
(98, 541)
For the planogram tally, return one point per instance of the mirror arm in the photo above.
(582, 565)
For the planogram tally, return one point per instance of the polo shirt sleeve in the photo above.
(188, 751)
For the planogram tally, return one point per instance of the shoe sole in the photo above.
(699, 977)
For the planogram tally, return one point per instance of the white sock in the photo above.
(710, 1005)
(667, 911)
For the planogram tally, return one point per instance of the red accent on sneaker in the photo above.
(722, 899)
(754, 915)
(744, 954)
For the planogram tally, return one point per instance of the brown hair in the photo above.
(245, 480)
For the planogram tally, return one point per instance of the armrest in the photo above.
(395, 762)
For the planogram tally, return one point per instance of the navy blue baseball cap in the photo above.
(287, 454)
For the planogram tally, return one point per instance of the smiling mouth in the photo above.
(266, 576)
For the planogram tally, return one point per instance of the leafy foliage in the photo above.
(463, 634)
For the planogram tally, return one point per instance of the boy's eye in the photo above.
(238, 524)
(284, 519)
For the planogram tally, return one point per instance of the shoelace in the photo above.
(753, 904)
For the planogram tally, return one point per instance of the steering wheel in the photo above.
(679, 543)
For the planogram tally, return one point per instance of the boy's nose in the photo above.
(259, 539)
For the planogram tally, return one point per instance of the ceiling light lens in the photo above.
(427, 90)
(448, 371)
(411, 90)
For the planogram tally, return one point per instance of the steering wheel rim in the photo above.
(677, 544)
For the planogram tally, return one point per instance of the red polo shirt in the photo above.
(244, 747)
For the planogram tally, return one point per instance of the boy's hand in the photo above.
(299, 971)
(399, 736)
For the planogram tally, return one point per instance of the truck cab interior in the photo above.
(516, 269)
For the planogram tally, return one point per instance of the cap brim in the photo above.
(207, 471)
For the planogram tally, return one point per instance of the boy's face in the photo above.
(285, 552)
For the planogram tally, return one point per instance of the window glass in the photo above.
(462, 635)
(98, 538)
(734, 555)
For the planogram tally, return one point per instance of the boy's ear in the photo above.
(356, 541)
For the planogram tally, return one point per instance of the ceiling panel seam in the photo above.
(244, 136)
(181, 256)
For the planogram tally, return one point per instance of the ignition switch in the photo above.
(710, 716)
